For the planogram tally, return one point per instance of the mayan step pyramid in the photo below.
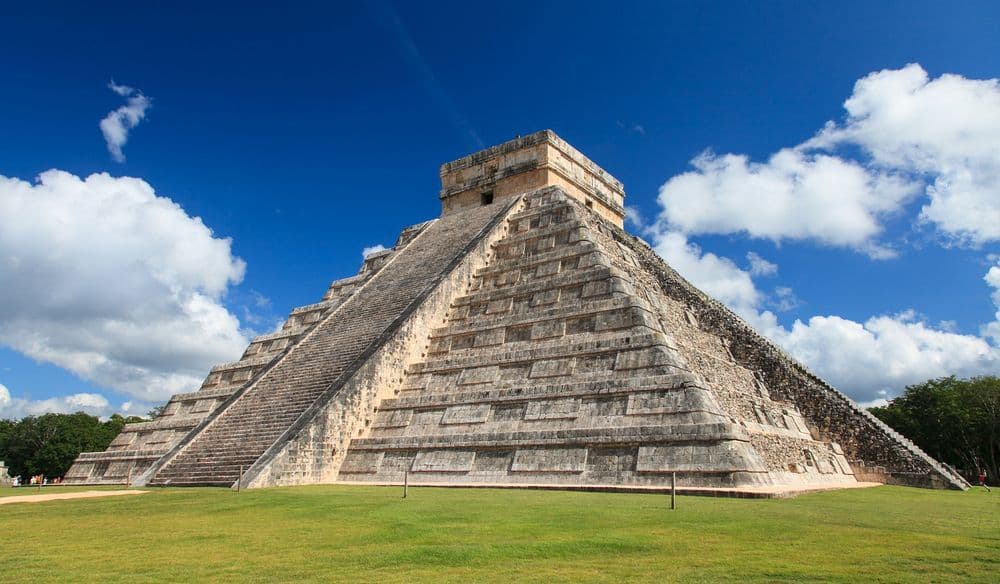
(523, 338)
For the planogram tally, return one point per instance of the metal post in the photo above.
(406, 482)
(239, 481)
(673, 490)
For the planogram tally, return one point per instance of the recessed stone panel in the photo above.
(466, 414)
(443, 461)
(728, 456)
(478, 375)
(613, 320)
(596, 288)
(547, 269)
(545, 297)
(439, 345)
(552, 368)
(655, 402)
(553, 409)
(569, 460)
(508, 278)
(490, 337)
(548, 329)
(501, 306)
(392, 419)
(493, 461)
(361, 462)
(643, 358)
(518, 333)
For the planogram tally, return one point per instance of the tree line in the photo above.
(957, 421)
(48, 444)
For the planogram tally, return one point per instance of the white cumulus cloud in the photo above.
(794, 195)
(116, 125)
(915, 135)
(947, 130)
(95, 404)
(104, 278)
(992, 279)
(759, 266)
(879, 357)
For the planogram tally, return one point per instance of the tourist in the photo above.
(982, 481)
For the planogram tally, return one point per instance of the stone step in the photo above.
(541, 314)
(715, 432)
(560, 281)
(523, 391)
(267, 408)
(595, 344)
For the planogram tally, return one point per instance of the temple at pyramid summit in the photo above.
(522, 338)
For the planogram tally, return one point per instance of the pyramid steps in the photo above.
(267, 409)
(529, 341)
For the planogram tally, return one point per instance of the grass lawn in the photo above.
(370, 534)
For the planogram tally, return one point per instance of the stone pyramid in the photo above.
(522, 338)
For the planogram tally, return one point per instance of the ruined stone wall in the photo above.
(876, 451)
(5, 479)
(314, 452)
(553, 367)
(777, 429)
(141, 445)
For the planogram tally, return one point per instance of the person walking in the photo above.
(982, 481)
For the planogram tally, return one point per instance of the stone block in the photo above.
(595, 288)
(490, 337)
(392, 419)
(556, 409)
(501, 306)
(459, 461)
(562, 460)
(545, 297)
(359, 462)
(613, 320)
(729, 456)
(508, 278)
(644, 358)
(466, 414)
(548, 329)
(439, 345)
(658, 402)
(548, 269)
(478, 375)
(552, 368)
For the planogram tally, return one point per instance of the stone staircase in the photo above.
(551, 369)
(260, 415)
(140, 445)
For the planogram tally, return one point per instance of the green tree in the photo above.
(954, 420)
(48, 444)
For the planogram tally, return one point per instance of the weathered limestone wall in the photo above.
(875, 451)
(556, 367)
(538, 160)
(315, 452)
(141, 445)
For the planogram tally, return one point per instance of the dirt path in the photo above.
(59, 496)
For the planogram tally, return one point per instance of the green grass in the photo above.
(369, 534)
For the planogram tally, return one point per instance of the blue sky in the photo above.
(307, 133)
